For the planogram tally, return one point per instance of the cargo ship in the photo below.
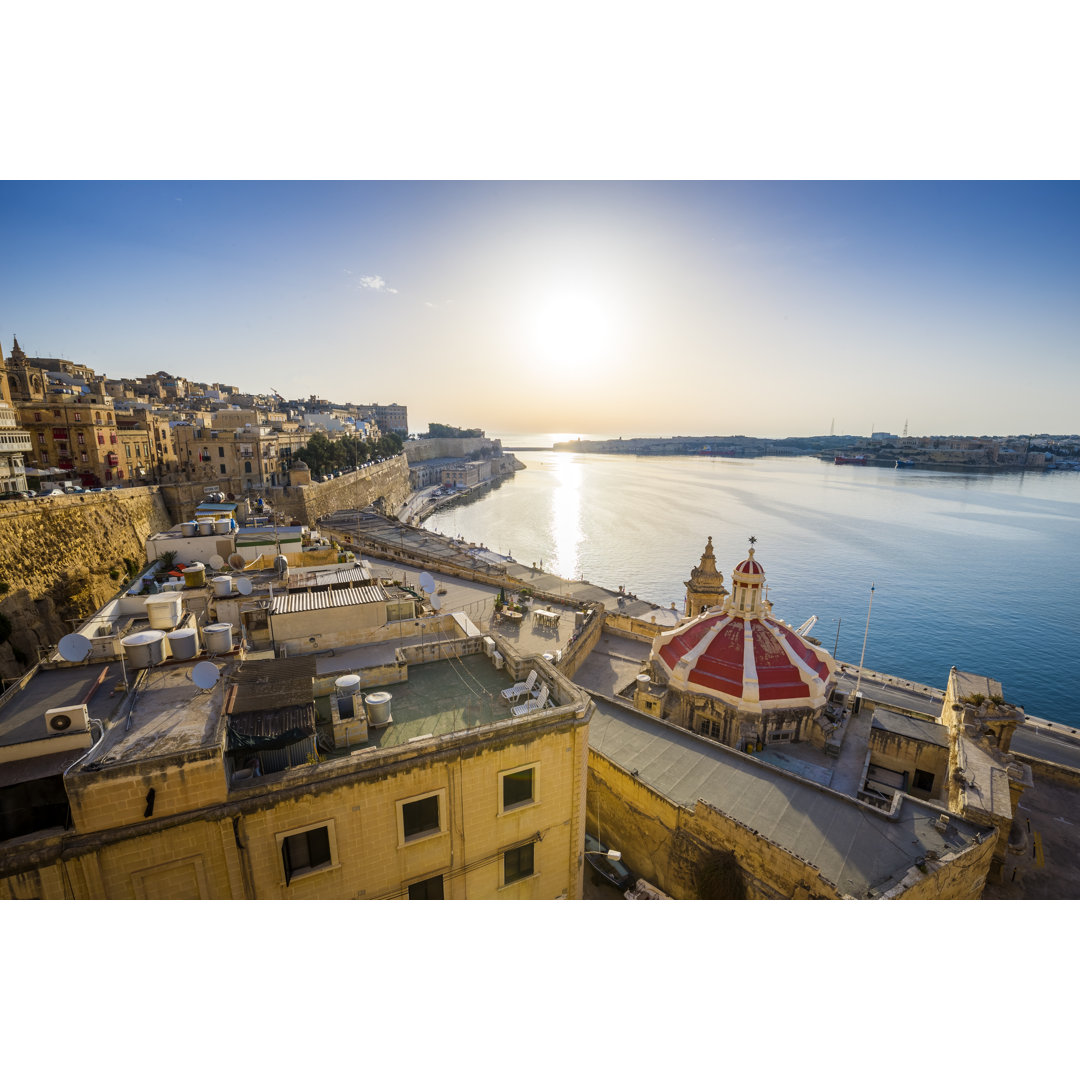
(849, 459)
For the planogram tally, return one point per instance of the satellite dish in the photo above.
(74, 647)
(237, 561)
(204, 674)
(243, 586)
(216, 562)
(436, 603)
(427, 582)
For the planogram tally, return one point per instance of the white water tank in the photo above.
(378, 708)
(206, 527)
(218, 638)
(222, 585)
(188, 528)
(643, 682)
(144, 649)
(184, 644)
(223, 526)
(163, 610)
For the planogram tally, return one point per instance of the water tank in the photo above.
(222, 585)
(144, 649)
(184, 644)
(218, 638)
(643, 682)
(348, 696)
(378, 708)
(223, 526)
(164, 610)
(194, 575)
(281, 564)
(188, 528)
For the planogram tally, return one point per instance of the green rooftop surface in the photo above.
(437, 699)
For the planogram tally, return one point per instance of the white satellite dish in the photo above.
(204, 674)
(427, 582)
(237, 561)
(436, 603)
(216, 562)
(243, 586)
(74, 647)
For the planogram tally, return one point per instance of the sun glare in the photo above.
(572, 328)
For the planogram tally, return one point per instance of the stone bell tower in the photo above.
(705, 589)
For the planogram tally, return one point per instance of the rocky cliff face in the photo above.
(61, 558)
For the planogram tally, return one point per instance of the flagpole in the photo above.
(866, 632)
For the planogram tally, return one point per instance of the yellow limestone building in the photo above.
(225, 776)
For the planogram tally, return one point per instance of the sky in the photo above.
(652, 308)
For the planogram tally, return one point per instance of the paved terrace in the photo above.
(439, 698)
(860, 850)
(477, 559)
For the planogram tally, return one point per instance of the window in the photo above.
(84, 457)
(37, 417)
(41, 437)
(923, 781)
(247, 466)
(429, 889)
(221, 451)
(306, 851)
(101, 439)
(518, 788)
(82, 439)
(223, 469)
(518, 864)
(421, 817)
(78, 417)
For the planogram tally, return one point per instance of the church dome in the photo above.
(743, 655)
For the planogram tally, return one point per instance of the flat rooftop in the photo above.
(22, 716)
(439, 698)
(859, 850)
(910, 728)
(169, 716)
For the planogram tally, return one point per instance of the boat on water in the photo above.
(905, 463)
(849, 459)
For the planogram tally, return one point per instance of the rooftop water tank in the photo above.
(223, 526)
(222, 585)
(281, 564)
(184, 643)
(194, 575)
(163, 610)
(144, 649)
(378, 708)
(206, 527)
(188, 528)
(218, 638)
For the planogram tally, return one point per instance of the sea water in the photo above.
(972, 569)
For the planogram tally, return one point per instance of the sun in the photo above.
(572, 328)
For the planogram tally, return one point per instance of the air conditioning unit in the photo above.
(74, 718)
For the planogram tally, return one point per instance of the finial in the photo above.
(753, 540)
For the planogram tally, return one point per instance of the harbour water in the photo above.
(977, 570)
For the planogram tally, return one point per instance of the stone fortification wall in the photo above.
(417, 450)
(385, 485)
(64, 556)
(388, 481)
(1050, 770)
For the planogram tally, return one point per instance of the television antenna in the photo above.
(74, 648)
(205, 675)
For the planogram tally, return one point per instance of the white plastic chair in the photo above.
(532, 706)
(512, 693)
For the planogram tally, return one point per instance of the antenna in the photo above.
(216, 562)
(243, 586)
(205, 674)
(436, 603)
(74, 647)
(427, 582)
(237, 561)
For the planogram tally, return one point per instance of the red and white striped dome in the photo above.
(743, 655)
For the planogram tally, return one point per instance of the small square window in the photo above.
(430, 889)
(923, 781)
(306, 851)
(518, 864)
(518, 788)
(420, 817)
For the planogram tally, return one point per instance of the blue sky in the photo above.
(653, 308)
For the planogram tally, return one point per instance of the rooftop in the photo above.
(907, 726)
(862, 851)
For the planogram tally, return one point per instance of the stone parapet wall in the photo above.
(386, 483)
(1050, 770)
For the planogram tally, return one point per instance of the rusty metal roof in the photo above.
(273, 684)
